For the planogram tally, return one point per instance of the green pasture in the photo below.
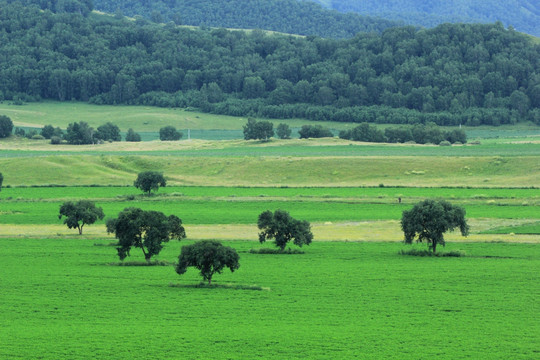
(326, 171)
(392, 193)
(62, 300)
(530, 228)
(210, 211)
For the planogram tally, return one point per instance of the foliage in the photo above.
(48, 131)
(1, 181)
(432, 13)
(20, 132)
(148, 181)
(283, 228)
(80, 213)
(209, 256)
(423, 253)
(108, 132)
(283, 131)
(169, 133)
(419, 133)
(6, 126)
(132, 136)
(314, 131)
(147, 230)
(79, 133)
(290, 16)
(430, 219)
(395, 77)
(260, 130)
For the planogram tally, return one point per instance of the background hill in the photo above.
(524, 15)
(287, 16)
(451, 75)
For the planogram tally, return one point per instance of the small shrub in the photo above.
(37, 137)
(445, 143)
(55, 140)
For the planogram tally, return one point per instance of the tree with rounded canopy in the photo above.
(146, 230)
(169, 133)
(258, 130)
(283, 131)
(6, 126)
(80, 213)
(108, 132)
(149, 180)
(209, 256)
(132, 136)
(283, 228)
(430, 219)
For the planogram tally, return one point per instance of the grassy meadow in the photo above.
(350, 295)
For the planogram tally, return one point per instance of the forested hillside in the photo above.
(524, 15)
(453, 74)
(288, 16)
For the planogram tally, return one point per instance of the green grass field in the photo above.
(349, 296)
(339, 300)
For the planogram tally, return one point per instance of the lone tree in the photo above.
(430, 219)
(79, 133)
(283, 131)
(169, 133)
(1, 181)
(149, 180)
(6, 126)
(283, 228)
(258, 130)
(108, 132)
(209, 256)
(80, 213)
(132, 136)
(146, 230)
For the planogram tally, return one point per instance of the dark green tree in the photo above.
(79, 134)
(80, 213)
(258, 130)
(428, 220)
(283, 228)
(48, 131)
(283, 131)
(132, 136)
(314, 131)
(1, 181)
(147, 230)
(209, 256)
(108, 132)
(148, 181)
(6, 126)
(169, 133)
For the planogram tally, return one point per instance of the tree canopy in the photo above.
(282, 227)
(209, 256)
(454, 74)
(108, 132)
(147, 230)
(169, 133)
(80, 213)
(149, 181)
(428, 220)
(6, 126)
(258, 130)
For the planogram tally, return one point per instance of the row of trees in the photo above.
(420, 134)
(450, 75)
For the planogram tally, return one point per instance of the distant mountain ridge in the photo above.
(286, 16)
(523, 15)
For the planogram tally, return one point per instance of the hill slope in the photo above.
(451, 75)
(287, 16)
(524, 15)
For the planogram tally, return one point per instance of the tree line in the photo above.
(449, 75)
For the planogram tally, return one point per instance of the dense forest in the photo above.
(524, 15)
(287, 16)
(449, 75)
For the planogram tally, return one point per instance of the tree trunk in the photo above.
(434, 246)
(80, 229)
(210, 280)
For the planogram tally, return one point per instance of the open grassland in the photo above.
(326, 171)
(338, 300)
